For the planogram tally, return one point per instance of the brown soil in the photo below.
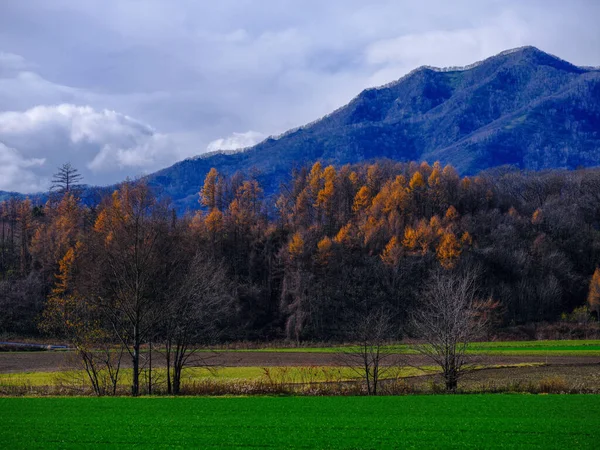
(580, 378)
(49, 361)
(588, 374)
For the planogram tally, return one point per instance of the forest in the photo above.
(334, 244)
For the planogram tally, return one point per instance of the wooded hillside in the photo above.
(335, 244)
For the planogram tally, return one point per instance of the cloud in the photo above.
(450, 47)
(104, 144)
(16, 172)
(445, 48)
(236, 141)
(11, 63)
(182, 77)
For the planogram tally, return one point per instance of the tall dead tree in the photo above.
(67, 179)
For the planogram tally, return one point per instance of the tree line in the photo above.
(334, 245)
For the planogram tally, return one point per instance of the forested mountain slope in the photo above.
(522, 107)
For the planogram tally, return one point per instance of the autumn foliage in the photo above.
(594, 292)
(331, 243)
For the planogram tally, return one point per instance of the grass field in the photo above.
(518, 366)
(589, 347)
(508, 348)
(467, 421)
(311, 374)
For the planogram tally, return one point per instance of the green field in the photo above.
(589, 347)
(509, 348)
(468, 421)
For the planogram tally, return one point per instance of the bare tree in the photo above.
(194, 316)
(296, 302)
(449, 317)
(101, 361)
(127, 273)
(67, 179)
(72, 316)
(372, 358)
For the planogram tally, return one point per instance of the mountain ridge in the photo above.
(522, 107)
(388, 85)
(433, 113)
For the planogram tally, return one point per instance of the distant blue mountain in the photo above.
(523, 107)
(4, 195)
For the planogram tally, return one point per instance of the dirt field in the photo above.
(11, 362)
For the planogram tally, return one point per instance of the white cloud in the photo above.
(445, 48)
(236, 141)
(83, 123)
(16, 172)
(104, 145)
(146, 153)
(198, 71)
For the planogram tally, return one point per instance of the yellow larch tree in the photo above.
(296, 246)
(417, 181)
(466, 239)
(448, 250)
(324, 250)
(61, 231)
(315, 178)
(451, 214)
(594, 292)
(245, 207)
(208, 194)
(435, 179)
(372, 230)
(325, 196)
(214, 222)
(353, 177)
(465, 184)
(419, 238)
(435, 225)
(346, 235)
(58, 313)
(392, 253)
(362, 200)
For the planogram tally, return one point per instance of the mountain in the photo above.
(522, 107)
(5, 195)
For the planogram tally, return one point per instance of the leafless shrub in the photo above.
(372, 359)
(194, 318)
(448, 318)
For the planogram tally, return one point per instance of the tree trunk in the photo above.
(176, 380)
(150, 370)
(135, 386)
(168, 358)
(451, 380)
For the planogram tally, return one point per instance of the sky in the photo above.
(121, 88)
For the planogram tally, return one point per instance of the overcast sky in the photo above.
(122, 88)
